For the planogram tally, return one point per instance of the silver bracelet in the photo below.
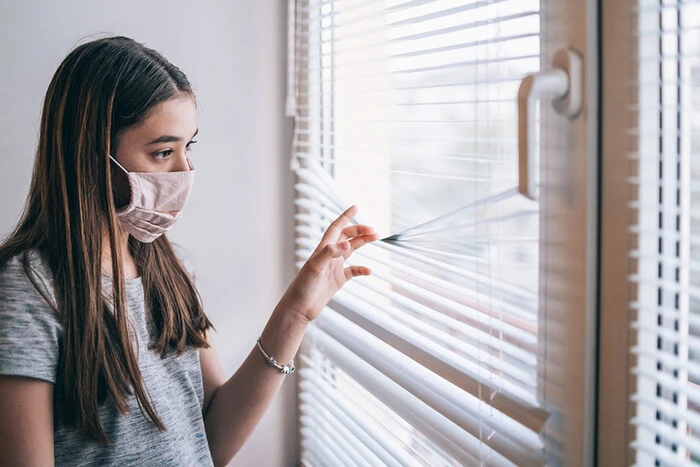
(286, 369)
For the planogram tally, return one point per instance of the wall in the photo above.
(237, 226)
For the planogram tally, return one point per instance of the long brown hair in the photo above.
(100, 89)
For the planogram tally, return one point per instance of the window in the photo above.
(408, 108)
(667, 233)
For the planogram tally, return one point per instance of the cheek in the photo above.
(136, 160)
(129, 152)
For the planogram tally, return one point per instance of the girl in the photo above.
(105, 353)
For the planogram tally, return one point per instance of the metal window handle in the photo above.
(564, 84)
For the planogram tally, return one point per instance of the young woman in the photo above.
(105, 357)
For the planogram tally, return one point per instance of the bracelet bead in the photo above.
(284, 369)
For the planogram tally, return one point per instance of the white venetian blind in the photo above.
(665, 180)
(408, 109)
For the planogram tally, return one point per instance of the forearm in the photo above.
(239, 404)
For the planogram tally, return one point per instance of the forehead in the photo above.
(176, 117)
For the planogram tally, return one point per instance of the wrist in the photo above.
(284, 332)
(295, 311)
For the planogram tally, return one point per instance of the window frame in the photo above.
(615, 384)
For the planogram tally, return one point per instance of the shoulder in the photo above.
(26, 277)
(30, 328)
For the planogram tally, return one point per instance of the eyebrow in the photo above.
(169, 139)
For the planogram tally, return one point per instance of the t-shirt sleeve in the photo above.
(29, 326)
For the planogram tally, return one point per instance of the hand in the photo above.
(324, 273)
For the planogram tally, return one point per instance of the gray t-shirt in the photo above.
(31, 340)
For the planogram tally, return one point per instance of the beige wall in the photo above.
(237, 226)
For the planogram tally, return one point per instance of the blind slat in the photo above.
(470, 381)
(385, 454)
(394, 70)
(326, 421)
(497, 79)
(668, 334)
(669, 381)
(523, 355)
(662, 453)
(668, 313)
(387, 426)
(670, 434)
(670, 409)
(411, 375)
(329, 451)
(490, 361)
(670, 360)
(514, 451)
(519, 454)
(462, 47)
(438, 429)
(525, 312)
(466, 374)
(495, 319)
(472, 275)
(436, 30)
(316, 17)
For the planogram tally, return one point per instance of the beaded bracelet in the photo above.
(286, 369)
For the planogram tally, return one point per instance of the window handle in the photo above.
(564, 85)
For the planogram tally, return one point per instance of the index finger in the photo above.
(334, 230)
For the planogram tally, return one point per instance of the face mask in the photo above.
(157, 199)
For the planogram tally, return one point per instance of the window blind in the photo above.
(665, 177)
(408, 109)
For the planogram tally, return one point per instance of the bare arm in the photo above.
(233, 408)
(26, 430)
(237, 405)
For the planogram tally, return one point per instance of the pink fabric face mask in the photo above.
(156, 203)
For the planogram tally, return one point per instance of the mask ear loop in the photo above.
(120, 166)
(130, 184)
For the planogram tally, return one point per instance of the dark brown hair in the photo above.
(100, 89)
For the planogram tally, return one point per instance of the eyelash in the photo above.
(164, 155)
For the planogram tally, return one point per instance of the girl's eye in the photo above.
(189, 145)
(163, 155)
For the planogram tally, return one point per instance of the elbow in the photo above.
(221, 461)
(221, 452)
